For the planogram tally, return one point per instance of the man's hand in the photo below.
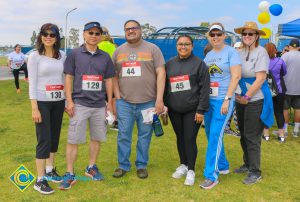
(70, 108)
(159, 107)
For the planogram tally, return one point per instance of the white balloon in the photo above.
(264, 6)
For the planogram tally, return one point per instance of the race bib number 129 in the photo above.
(92, 82)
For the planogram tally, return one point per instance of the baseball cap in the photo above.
(294, 43)
(90, 25)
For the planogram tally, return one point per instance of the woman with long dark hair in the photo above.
(46, 92)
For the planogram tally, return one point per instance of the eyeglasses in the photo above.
(183, 44)
(248, 33)
(94, 33)
(286, 50)
(46, 34)
(215, 34)
(131, 28)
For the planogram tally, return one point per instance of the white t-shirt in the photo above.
(258, 61)
(43, 72)
(291, 79)
(17, 59)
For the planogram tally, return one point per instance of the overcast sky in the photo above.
(18, 18)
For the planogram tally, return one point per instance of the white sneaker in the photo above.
(224, 172)
(180, 171)
(190, 178)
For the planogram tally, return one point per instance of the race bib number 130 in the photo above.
(92, 82)
(180, 83)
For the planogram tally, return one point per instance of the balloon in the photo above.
(275, 9)
(267, 31)
(264, 6)
(263, 18)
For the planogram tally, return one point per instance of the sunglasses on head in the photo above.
(248, 33)
(216, 34)
(94, 33)
(46, 34)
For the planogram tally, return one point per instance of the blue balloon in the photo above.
(275, 9)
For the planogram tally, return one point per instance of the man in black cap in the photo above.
(291, 79)
(86, 69)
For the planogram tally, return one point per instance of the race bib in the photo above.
(214, 89)
(180, 83)
(55, 92)
(92, 82)
(130, 69)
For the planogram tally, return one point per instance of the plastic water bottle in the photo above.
(157, 128)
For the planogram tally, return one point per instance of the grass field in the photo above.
(3, 60)
(280, 165)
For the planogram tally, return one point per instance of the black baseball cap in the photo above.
(90, 25)
(294, 43)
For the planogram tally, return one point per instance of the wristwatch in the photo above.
(227, 98)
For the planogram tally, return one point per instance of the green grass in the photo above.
(3, 60)
(280, 165)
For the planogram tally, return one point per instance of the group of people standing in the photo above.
(138, 78)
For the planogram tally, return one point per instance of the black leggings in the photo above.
(278, 102)
(16, 73)
(186, 130)
(48, 131)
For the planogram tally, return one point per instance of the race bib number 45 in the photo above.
(132, 68)
(180, 83)
(214, 89)
(92, 82)
(55, 92)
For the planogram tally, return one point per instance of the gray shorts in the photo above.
(78, 123)
(292, 101)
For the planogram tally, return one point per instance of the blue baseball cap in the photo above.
(90, 25)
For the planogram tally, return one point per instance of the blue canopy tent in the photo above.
(291, 29)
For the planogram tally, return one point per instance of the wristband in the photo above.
(246, 97)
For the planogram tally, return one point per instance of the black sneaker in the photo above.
(281, 139)
(252, 178)
(114, 126)
(266, 137)
(242, 169)
(53, 176)
(43, 187)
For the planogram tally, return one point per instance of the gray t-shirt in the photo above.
(89, 71)
(291, 79)
(258, 61)
(136, 67)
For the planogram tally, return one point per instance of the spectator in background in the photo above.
(292, 81)
(285, 50)
(17, 62)
(277, 68)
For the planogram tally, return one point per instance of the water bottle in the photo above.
(157, 128)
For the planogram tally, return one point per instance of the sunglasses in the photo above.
(215, 34)
(131, 28)
(248, 33)
(94, 33)
(46, 34)
(286, 50)
(183, 44)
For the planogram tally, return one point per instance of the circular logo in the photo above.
(21, 178)
(132, 56)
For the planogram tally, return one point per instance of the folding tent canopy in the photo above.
(291, 29)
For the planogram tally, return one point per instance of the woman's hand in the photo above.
(36, 116)
(199, 118)
(241, 100)
(224, 107)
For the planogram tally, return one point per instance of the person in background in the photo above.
(285, 50)
(187, 99)
(254, 105)
(292, 81)
(224, 66)
(46, 92)
(17, 62)
(277, 68)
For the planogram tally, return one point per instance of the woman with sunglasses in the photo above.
(46, 92)
(277, 68)
(254, 105)
(17, 62)
(224, 66)
(186, 96)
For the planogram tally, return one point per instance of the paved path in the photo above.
(5, 74)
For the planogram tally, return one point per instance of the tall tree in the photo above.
(33, 38)
(148, 29)
(73, 38)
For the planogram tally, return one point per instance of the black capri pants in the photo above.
(186, 130)
(48, 131)
(16, 73)
(278, 103)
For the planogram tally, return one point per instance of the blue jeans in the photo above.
(128, 113)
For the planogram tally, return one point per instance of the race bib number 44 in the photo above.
(214, 89)
(132, 68)
(55, 92)
(180, 83)
(92, 82)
